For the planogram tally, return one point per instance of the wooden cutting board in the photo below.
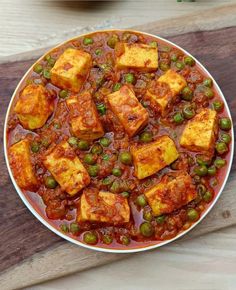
(30, 253)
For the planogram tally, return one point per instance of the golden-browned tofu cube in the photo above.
(21, 165)
(66, 168)
(71, 69)
(171, 193)
(132, 115)
(34, 107)
(103, 206)
(84, 119)
(137, 56)
(163, 92)
(200, 132)
(152, 157)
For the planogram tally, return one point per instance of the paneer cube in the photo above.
(163, 92)
(152, 157)
(200, 132)
(21, 165)
(34, 107)
(137, 56)
(132, 115)
(71, 69)
(84, 119)
(66, 168)
(171, 193)
(103, 206)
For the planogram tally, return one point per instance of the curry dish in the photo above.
(119, 139)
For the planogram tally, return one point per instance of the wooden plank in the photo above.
(17, 226)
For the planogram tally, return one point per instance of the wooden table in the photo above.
(203, 263)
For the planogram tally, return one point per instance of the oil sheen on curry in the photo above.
(118, 139)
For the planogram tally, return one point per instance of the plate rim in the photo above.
(93, 247)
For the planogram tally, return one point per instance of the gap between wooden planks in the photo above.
(46, 265)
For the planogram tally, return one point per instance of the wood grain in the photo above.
(22, 235)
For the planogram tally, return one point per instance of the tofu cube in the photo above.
(199, 134)
(131, 114)
(34, 107)
(21, 165)
(71, 69)
(152, 157)
(103, 206)
(66, 168)
(137, 56)
(163, 92)
(171, 193)
(84, 119)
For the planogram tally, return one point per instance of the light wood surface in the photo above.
(167, 259)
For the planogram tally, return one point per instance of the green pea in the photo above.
(107, 239)
(125, 240)
(212, 170)
(164, 66)
(178, 118)
(221, 148)
(160, 219)
(74, 228)
(97, 149)
(98, 51)
(208, 83)
(146, 137)
(188, 112)
(174, 57)
(51, 62)
(192, 214)
(93, 170)
(115, 186)
(83, 145)
(153, 44)
(46, 142)
(189, 60)
(47, 74)
(105, 142)
(126, 158)
(116, 87)
(207, 197)
(180, 65)
(90, 159)
(117, 172)
(219, 163)
(201, 170)
(107, 181)
(208, 92)
(187, 94)
(141, 200)
(146, 229)
(203, 160)
(147, 215)
(88, 41)
(64, 228)
(112, 41)
(218, 106)
(101, 109)
(35, 147)
(90, 238)
(224, 137)
(106, 157)
(57, 126)
(73, 141)
(38, 68)
(63, 94)
(129, 78)
(125, 194)
(50, 182)
(225, 124)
